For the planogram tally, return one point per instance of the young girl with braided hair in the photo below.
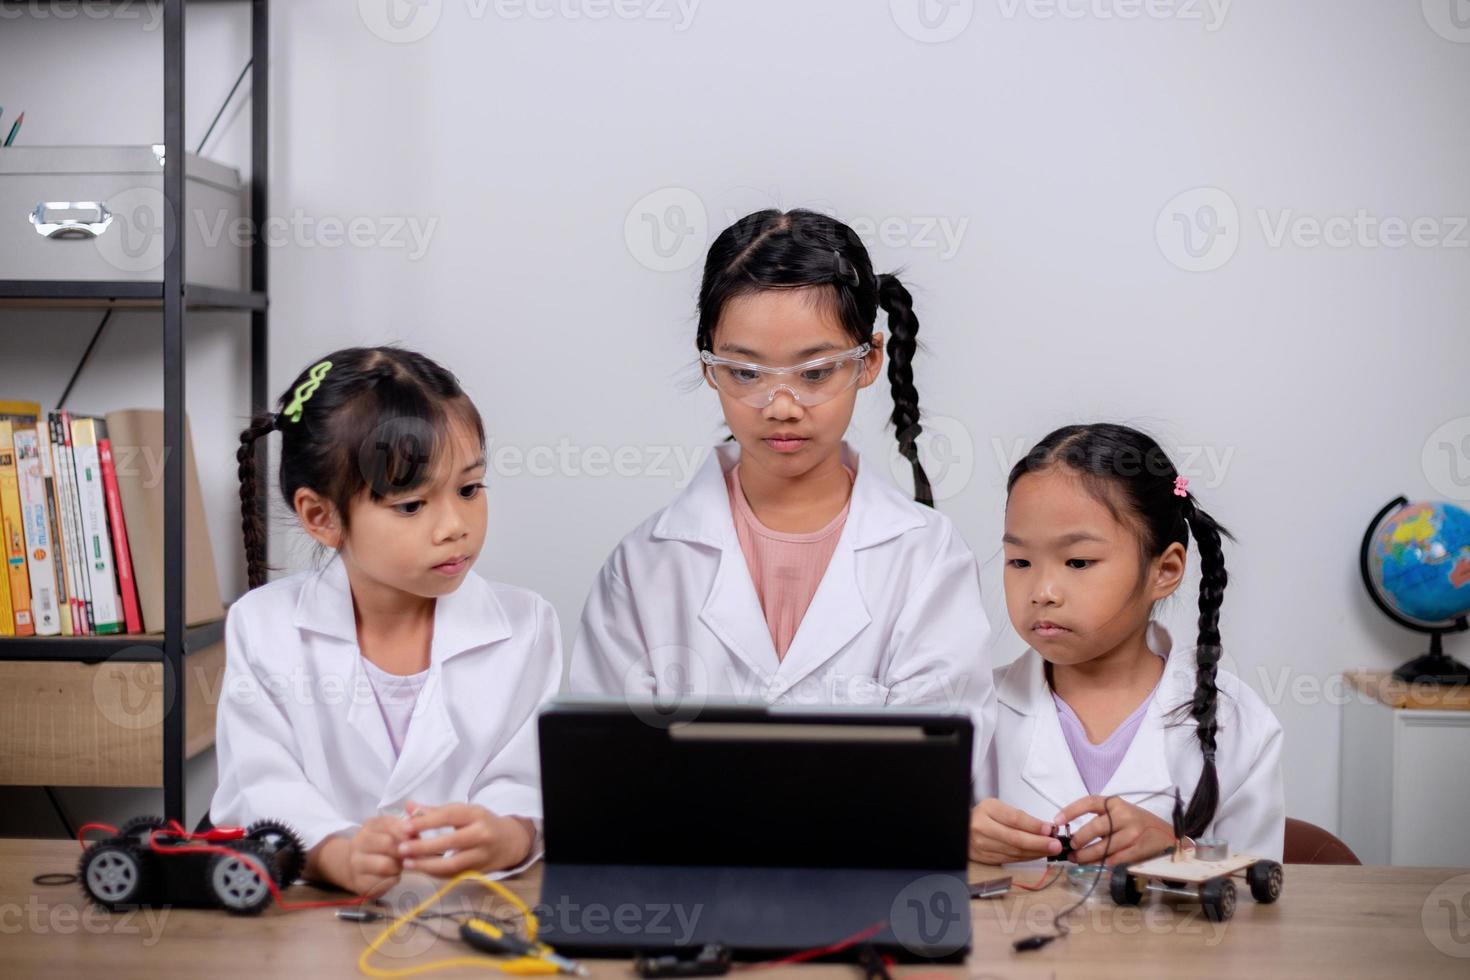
(393, 691)
(789, 571)
(1105, 718)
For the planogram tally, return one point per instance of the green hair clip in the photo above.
(306, 389)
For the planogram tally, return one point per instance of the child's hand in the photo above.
(367, 862)
(480, 840)
(1136, 833)
(1001, 834)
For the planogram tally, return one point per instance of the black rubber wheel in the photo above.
(283, 849)
(1265, 878)
(235, 884)
(140, 828)
(1123, 886)
(112, 875)
(1218, 898)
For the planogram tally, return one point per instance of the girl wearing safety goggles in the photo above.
(788, 570)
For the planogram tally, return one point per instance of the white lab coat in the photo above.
(1030, 766)
(896, 619)
(300, 737)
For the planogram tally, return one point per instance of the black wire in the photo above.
(458, 917)
(61, 403)
(224, 105)
(455, 937)
(1059, 921)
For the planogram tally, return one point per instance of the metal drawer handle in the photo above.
(70, 227)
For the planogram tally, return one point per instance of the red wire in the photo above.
(808, 954)
(82, 831)
(1043, 883)
(176, 829)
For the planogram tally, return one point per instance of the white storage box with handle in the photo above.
(98, 213)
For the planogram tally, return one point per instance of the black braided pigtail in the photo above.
(1207, 537)
(903, 330)
(250, 520)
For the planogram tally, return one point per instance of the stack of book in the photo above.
(81, 511)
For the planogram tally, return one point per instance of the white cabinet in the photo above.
(1405, 782)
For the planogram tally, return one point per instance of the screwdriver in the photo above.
(488, 937)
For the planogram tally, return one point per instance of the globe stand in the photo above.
(1433, 667)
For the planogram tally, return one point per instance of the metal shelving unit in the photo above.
(175, 297)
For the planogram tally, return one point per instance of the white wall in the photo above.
(1299, 384)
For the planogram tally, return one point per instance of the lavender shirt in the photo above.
(397, 695)
(1097, 763)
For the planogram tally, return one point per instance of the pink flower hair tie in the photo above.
(1181, 486)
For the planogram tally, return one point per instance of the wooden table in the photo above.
(1333, 922)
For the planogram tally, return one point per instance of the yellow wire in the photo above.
(521, 965)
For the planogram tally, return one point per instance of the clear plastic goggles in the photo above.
(810, 383)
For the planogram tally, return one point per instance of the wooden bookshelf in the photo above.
(131, 647)
(100, 724)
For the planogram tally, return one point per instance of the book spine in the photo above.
(53, 519)
(132, 615)
(7, 614)
(106, 609)
(12, 536)
(83, 588)
(63, 522)
(40, 550)
(7, 610)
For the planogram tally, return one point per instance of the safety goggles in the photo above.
(810, 383)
